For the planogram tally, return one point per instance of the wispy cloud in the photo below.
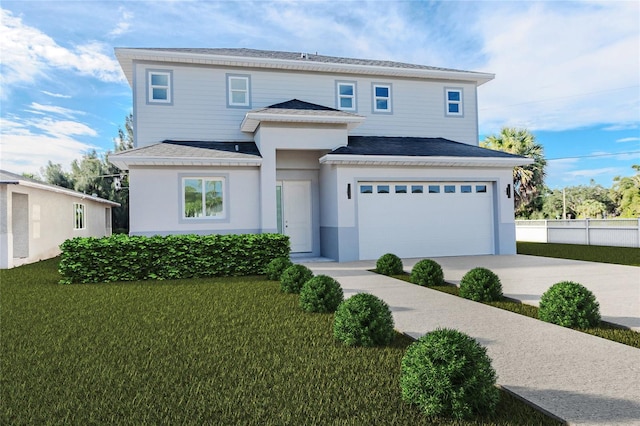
(633, 139)
(52, 109)
(28, 53)
(56, 95)
(124, 25)
(554, 65)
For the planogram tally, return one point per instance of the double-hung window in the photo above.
(453, 102)
(203, 198)
(238, 91)
(79, 216)
(381, 98)
(159, 90)
(346, 95)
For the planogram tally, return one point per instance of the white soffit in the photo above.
(399, 160)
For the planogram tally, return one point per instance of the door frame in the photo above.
(286, 210)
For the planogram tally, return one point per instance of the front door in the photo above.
(294, 213)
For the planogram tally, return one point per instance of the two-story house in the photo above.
(351, 158)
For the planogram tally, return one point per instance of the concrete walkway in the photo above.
(574, 376)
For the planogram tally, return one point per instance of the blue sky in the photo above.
(567, 71)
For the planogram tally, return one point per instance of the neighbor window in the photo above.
(203, 198)
(453, 101)
(159, 90)
(78, 216)
(238, 91)
(381, 97)
(346, 95)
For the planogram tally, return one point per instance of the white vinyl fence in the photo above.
(597, 232)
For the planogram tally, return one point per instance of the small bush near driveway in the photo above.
(569, 304)
(427, 272)
(481, 285)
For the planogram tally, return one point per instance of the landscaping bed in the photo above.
(617, 255)
(229, 350)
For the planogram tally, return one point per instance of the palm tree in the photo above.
(528, 181)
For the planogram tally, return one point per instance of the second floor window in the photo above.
(381, 98)
(346, 95)
(238, 91)
(159, 87)
(453, 100)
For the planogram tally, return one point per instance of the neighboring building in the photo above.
(35, 218)
(351, 158)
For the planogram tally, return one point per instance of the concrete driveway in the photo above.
(526, 278)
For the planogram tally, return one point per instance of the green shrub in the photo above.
(427, 272)
(363, 320)
(447, 373)
(294, 277)
(569, 304)
(127, 258)
(276, 267)
(321, 294)
(389, 264)
(481, 285)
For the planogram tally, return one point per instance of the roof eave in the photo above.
(252, 120)
(125, 162)
(421, 161)
(61, 190)
(126, 56)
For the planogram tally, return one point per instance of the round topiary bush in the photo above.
(481, 285)
(294, 277)
(569, 304)
(389, 264)
(363, 320)
(427, 272)
(276, 267)
(447, 373)
(321, 294)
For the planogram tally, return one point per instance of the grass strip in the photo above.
(232, 351)
(604, 329)
(617, 255)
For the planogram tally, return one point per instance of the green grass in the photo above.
(604, 329)
(618, 255)
(228, 351)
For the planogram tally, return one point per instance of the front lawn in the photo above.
(604, 254)
(203, 351)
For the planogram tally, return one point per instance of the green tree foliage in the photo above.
(528, 181)
(582, 201)
(94, 174)
(625, 193)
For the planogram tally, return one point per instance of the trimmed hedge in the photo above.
(449, 374)
(131, 258)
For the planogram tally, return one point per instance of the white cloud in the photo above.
(559, 68)
(633, 139)
(124, 25)
(55, 95)
(41, 109)
(28, 54)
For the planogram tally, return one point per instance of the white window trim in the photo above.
(79, 220)
(169, 87)
(374, 100)
(354, 97)
(223, 216)
(447, 102)
(247, 79)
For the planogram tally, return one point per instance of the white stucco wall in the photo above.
(50, 221)
(156, 201)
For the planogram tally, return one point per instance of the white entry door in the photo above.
(295, 209)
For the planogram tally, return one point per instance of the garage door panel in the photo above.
(426, 224)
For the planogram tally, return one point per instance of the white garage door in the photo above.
(422, 219)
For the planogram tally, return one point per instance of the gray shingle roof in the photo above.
(301, 56)
(195, 149)
(300, 105)
(418, 147)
